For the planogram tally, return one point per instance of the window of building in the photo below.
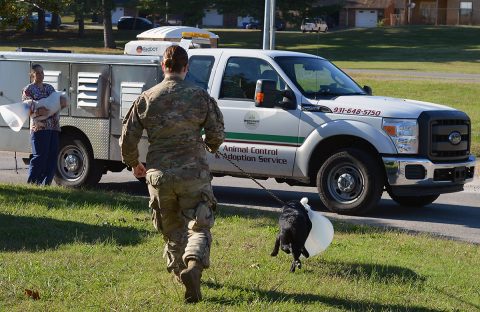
(466, 8)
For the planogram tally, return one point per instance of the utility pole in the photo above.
(166, 12)
(272, 24)
(266, 26)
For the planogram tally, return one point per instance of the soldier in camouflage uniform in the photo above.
(173, 113)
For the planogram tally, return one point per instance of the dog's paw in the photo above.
(292, 267)
(274, 253)
(298, 264)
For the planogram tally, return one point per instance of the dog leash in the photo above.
(253, 179)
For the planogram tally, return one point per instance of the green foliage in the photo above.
(96, 251)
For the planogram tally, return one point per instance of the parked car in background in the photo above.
(279, 25)
(33, 20)
(252, 25)
(48, 19)
(313, 25)
(137, 23)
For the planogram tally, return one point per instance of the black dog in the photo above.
(295, 225)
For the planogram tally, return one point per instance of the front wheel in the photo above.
(414, 201)
(350, 182)
(75, 164)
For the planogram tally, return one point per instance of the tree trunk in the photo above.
(40, 29)
(80, 7)
(109, 42)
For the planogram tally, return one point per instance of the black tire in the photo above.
(350, 182)
(414, 201)
(75, 164)
(326, 29)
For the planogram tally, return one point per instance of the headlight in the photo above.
(404, 133)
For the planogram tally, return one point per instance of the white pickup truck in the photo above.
(298, 118)
(313, 25)
(290, 116)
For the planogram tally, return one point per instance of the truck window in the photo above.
(318, 78)
(199, 70)
(241, 75)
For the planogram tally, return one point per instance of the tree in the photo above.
(107, 7)
(79, 9)
(192, 10)
(11, 12)
(253, 8)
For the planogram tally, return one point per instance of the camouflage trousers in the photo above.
(182, 210)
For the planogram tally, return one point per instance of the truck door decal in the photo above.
(267, 139)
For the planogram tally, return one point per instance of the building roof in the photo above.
(368, 4)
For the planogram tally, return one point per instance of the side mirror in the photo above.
(267, 95)
(368, 90)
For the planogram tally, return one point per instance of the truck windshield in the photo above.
(317, 78)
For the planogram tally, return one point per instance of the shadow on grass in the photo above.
(60, 198)
(377, 272)
(37, 233)
(225, 211)
(273, 296)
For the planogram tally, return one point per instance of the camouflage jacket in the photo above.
(173, 113)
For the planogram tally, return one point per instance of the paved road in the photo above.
(455, 216)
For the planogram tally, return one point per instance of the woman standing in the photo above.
(45, 133)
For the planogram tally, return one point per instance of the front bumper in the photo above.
(421, 174)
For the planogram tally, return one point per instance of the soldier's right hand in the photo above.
(139, 171)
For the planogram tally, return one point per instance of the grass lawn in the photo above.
(424, 48)
(84, 250)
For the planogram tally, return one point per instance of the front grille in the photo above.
(438, 128)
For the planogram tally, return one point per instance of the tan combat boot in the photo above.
(191, 277)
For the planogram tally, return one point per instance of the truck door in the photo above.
(261, 140)
(128, 82)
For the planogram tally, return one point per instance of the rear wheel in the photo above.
(350, 182)
(414, 201)
(75, 164)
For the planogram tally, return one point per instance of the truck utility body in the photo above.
(290, 116)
